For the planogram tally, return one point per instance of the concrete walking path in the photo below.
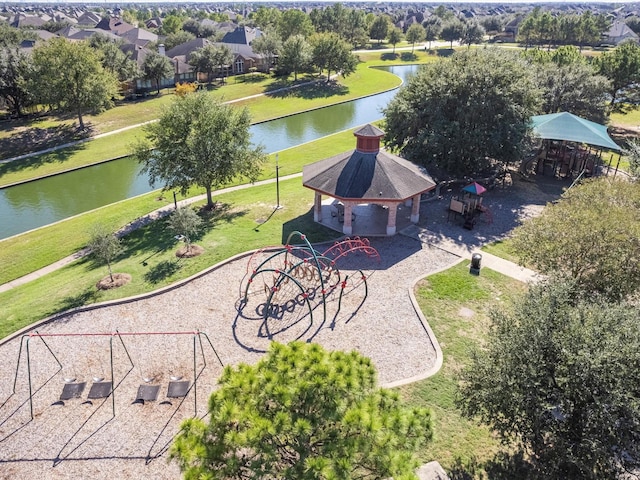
(137, 223)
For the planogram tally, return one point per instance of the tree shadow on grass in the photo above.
(161, 271)
(58, 156)
(503, 466)
(31, 139)
(89, 295)
(388, 56)
(314, 231)
(313, 90)
(408, 57)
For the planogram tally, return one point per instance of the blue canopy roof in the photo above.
(566, 126)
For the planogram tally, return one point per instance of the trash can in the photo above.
(476, 260)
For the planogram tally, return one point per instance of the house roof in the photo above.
(114, 25)
(241, 36)
(187, 48)
(139, 36)
(620, 30)
(367, 176)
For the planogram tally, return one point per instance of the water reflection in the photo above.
(45, 201)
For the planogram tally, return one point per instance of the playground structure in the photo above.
(102, 389)
(284, 286)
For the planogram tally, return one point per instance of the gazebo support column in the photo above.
(347, 228)
(317, 207)
(415, 208)
(391, 219)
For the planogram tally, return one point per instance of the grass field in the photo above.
(456, 305)
(244, 220)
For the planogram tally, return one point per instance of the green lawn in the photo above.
(26, 253)
(456, 305)
(245, 220)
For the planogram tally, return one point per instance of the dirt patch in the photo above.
(466, 312)
(192, 251)
(119, 279)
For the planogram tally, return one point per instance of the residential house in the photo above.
(618, 33)
(114, 25)
(139, 36)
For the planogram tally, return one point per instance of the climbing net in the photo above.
(285, 287)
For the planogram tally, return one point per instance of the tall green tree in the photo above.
(211, 59)
(559, 377)
(303, 413)
(415, 34)
(432, 29)
(331, 53)
(157, 67)
(622, 67)
(473, 33)
(69, 75)
(199, 141)
(178, 38)
(267, 45)
(113, 59)
(294, 22)
(16, 71)
(104, 246)
(395, 37)
(380, 28)
(591, 235)
(266, 18)
(185, 222)
(357, 29)
(295, 55)
(465, 113)
(452, 31)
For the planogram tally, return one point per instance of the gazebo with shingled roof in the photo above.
(367, 175)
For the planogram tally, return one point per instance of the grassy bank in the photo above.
(28, 252)
(245, 220)
(365, 81)
(456, 305)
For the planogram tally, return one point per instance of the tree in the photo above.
(559, 377)
(186, 223)
(591, 235)
(113, 59)
(379, 28)
(295, 55)
(432, 28)
(464, 113)
(356, 29)
(415, 34)
(199, 141)
(171, 24)
(157, 67)
(395, 37)
(622, 67)
(632, 152)
(211, 59)
(331, 53)
(178, 38)
(105, 246)
(267, 45)
(569, 83)
(452, 31)
(15, 73)
(266, 18)
(69, 75)
(294, 22)
(303, 413)
(473, 33)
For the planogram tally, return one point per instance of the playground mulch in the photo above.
(120, 437)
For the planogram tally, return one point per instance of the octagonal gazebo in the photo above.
(370, 176)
